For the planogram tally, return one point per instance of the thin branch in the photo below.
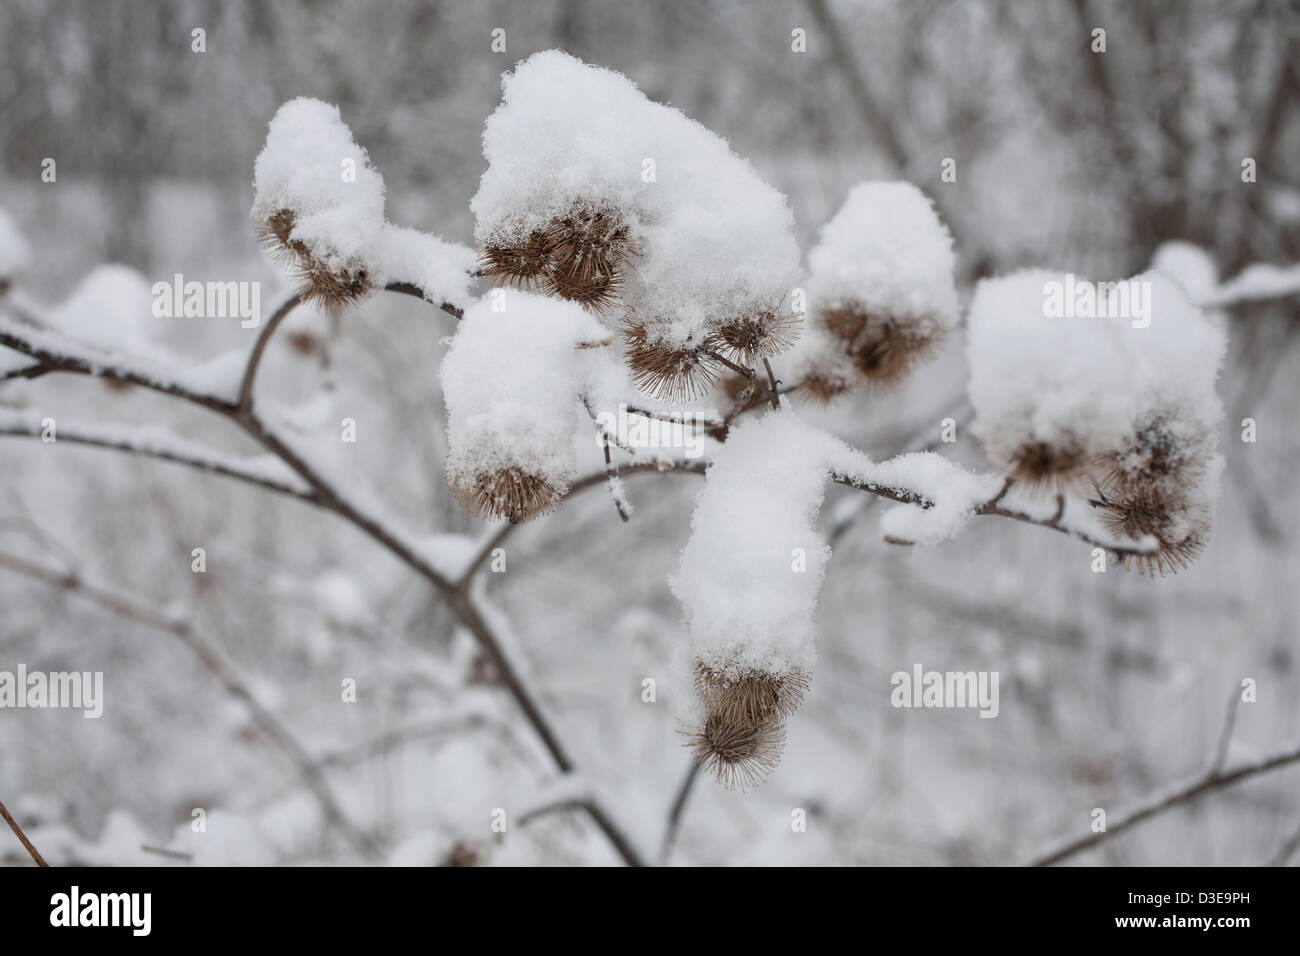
(741, 370)
(677, 811)
(270, 726)
(255, 357)
(285, 308)
(596, 478)
(183, 454)
(1225, 734)
(411, 289)
(1211, 780)
(1288, 850)
(169, 854)
(35, 370)
(22, 837)
(630, 855)
(327, 497)
(324, 495)
(773, 391)
(687, 419)
(98, 365)
(1056, 523)
(611, 480)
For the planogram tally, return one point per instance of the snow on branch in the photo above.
(214, 384)
(153, 441)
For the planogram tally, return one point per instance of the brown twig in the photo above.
(1211, 780)
(270, 726)
(215, 464)
(677, 811)
(326, 496)
(22, 837)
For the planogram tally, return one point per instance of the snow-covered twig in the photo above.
(270, 726)
(156, 443)
(1211, 780)
(287, 307)
(571, 792)
(59, 354)
(1057, 522)
(263, 337)
(595, 479)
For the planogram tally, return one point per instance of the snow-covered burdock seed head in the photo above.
(750, 698)
(596, 194)
(667, 371)
(587, 258)
(1122, 405)
(581, 256)
(511, 380)
(510, 493)
(882, 287)
(1180, 523)
(761, 334)
(1162, 479)
(1050, 393)
(738, 755)
(748, 583)
(319, 205)
(14, 253)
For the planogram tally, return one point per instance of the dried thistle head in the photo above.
(752, 698)
(1155, 454)
(509, 493)
(884, 350)
(587, 255)
(673, 373)
(461, 854)
(331, 288)
(1182, 530)
(521, 264)
(823, 386)
(743, 732)
(759, 334)
(1057, 466)
(738, 755)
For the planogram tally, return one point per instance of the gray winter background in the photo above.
(1115, 688)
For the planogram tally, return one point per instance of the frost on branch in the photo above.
(596, 194)
(881, 290)
(318, 204)
(952, 492)
(748, 582)
(15, 256)
(511, 380)
(439, 269)
(1114, 403)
